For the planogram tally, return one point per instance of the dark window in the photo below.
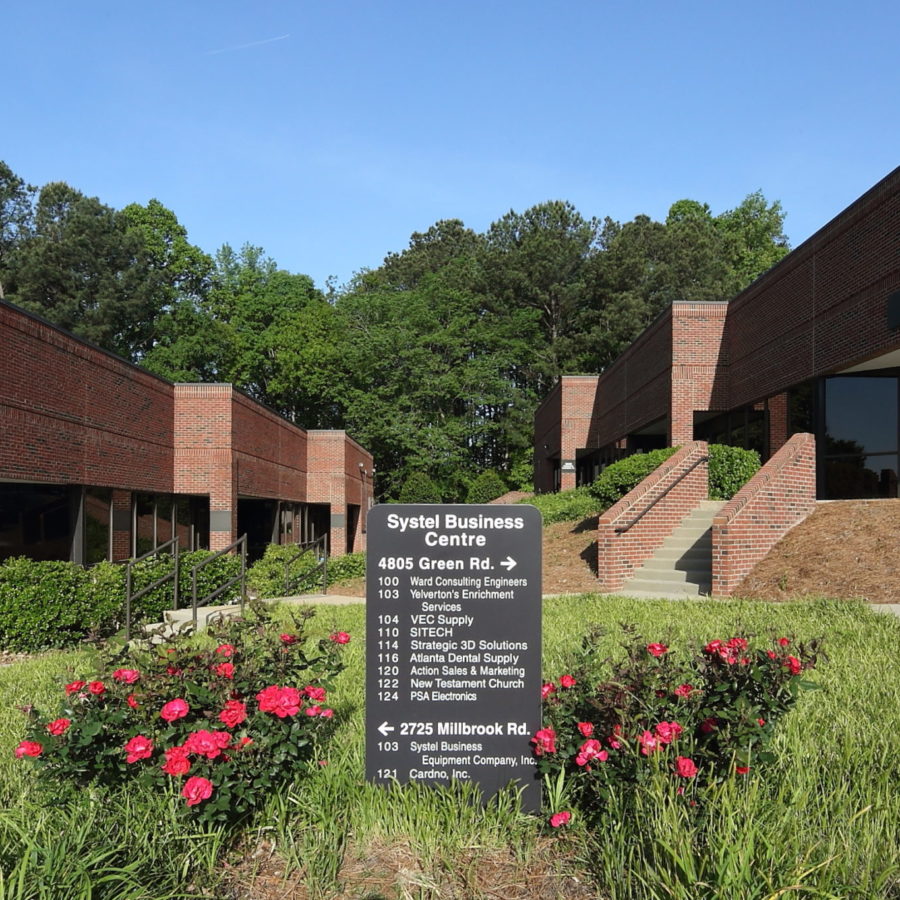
(36, 521)
(97, 518)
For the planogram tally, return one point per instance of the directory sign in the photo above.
(453, 645)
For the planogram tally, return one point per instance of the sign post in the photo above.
(453, 646)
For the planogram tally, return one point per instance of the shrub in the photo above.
(521, 475)
(616, 480)
(343, 568)
(486, 487)
(610, 727)
(564, 506)
(730, 468)
(44, 604)
(419, 488)
(219, 728)
(266, 577)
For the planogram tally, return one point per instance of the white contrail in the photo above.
(280, 37)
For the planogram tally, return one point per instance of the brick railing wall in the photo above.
(668, 495)
(781, 495)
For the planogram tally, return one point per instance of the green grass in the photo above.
(822, 821)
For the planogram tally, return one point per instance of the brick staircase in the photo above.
(682, 566)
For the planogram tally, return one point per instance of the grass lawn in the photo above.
(822, 821)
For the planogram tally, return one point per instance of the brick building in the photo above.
(812, 346)
(99, 459)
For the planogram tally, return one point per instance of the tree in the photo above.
(16, 199)
(84, 269)
(539, 261)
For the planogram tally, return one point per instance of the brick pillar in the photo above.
(778, 422)
(121, 525)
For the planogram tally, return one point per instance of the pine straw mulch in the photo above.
(846, 548)
(392, 871)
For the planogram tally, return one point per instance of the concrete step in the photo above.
(661, 569)
(658, 587)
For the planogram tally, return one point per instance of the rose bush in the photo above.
(704, 715)
(218, 727)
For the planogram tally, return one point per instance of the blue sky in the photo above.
(327, 132)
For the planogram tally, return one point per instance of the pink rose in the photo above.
(657, 649)
(131, 700)
(742, 770)
(177, 762)
(224, 670)
(196, 790)
(280, 701)
(547, 690)
(174, 709)
(784, 642)
(586, 729)
(73, 687)
(58, 726)
(589, 751)
(794, 665)
(29, 748)
(315, 693)
(683, 690)
(234, 713)
(341, 637)
(126, 676)
(326, 713)
(288, 638)
(313, 710)
(97, 688)
(567, 681)
(139, 747)
(668, 732)
(544, 741)
(649, 743)
(224, 649)
(207, 743)
(559, 819)
(707, 726)
(685, 767)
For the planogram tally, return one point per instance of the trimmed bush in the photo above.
(419, 488)
(45, 604)
(616, 480)
(486, 487)
(564, 506)
(48, 604)
(730, 468)
(266, 576)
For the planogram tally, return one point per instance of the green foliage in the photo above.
(266, 577)
(564, 506)
(56, 604)
(730, 468)
(419, 488)
(486, 487)
(239, 718)
(693, 718)
(346, 567)
(42, 604)
(521, 473)
(616, 480)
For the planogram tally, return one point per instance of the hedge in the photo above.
(486, 487)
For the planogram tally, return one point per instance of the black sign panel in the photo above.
(453, 645)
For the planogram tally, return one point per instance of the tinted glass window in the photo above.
(861, 415)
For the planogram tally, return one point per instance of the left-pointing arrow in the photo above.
(386, 729)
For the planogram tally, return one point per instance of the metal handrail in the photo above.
(302, 549)
(623, 528)
(171, 576)
(242, 578)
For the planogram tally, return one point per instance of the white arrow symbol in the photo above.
(386, 729)
(509, 563)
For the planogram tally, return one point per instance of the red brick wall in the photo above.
(635, 390)
(699, 365)
(620, 554)
(337, 478)
(71, 413)
(781, 495)
(822, 308)
(547, 431)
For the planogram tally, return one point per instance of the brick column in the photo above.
(121, 525)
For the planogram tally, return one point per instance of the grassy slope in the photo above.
(826, 815)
